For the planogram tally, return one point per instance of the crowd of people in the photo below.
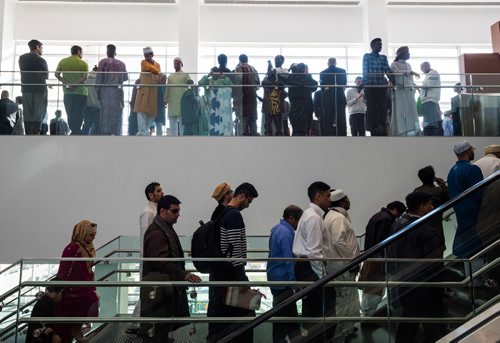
(318, 241)
(383, 100)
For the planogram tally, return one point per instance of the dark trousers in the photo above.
(249, 115)
(277, 119)
(35, 108)
(301, 117)
(282, 330)
(132, 123)
(44, 128)
(249, 125)
(434, 130)
(376, 110)
(357, 123)
(319, 303)
(75, 105)
(91, 121)
(333, 120)
(421, 302)
(217, 308)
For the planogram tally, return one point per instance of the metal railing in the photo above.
(356, 262)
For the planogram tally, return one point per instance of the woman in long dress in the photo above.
(78, 301)
(404, 120)
(218, 93)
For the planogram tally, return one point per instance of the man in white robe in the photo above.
(341, 238)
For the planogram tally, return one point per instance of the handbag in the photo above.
(249, 299)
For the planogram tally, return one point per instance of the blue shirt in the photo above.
(447, 126)
(375, 66)
(462, 176)
(280, 246)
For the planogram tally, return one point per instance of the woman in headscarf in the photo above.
(404, 119)
(78, 301)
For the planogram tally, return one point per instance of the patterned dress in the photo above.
(111, 72)
(217, 101)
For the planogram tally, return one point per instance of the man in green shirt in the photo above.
(72, 72)
(173, 96)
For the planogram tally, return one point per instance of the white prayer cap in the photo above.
(461, 147)
(147, 50)
(337, 195)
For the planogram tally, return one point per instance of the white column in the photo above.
(189, 35)
(375, 23)
(7, 14)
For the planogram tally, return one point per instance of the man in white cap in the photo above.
(342, 242)
(490, 163)
(462, 176)
(173, 96)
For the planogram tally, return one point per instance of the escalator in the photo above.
(466, 296)
(475, 286)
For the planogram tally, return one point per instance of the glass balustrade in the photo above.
(235, 104)
(376, 300)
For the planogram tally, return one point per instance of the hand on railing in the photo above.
(192, 277)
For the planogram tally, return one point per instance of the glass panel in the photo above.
(444, 59)
(407, 281)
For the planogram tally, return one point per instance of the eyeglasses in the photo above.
(93, 225)
(175, 210)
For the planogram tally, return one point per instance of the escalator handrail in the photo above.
(358, 260)
(11, 266)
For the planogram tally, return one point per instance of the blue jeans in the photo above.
(176, 128)
(75, 105)
(144, 122)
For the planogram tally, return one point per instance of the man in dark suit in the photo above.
(332, 120)
(161, 241)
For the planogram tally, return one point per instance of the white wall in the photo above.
(302, 24)
(7, 8)
(50, 183)
(441, 25)
(269, 24)
(96, 22)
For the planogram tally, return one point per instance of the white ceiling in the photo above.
(298, 2)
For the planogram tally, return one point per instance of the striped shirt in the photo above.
(233, 239)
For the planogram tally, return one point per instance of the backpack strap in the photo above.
(229, 250)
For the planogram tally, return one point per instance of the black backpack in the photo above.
(206, 244)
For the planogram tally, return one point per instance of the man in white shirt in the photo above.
(308, 244)
(153, 193)
(341, 238)
(430, 95)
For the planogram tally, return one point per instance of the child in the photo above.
(58, 125)
(44, 307)
(448, 124)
